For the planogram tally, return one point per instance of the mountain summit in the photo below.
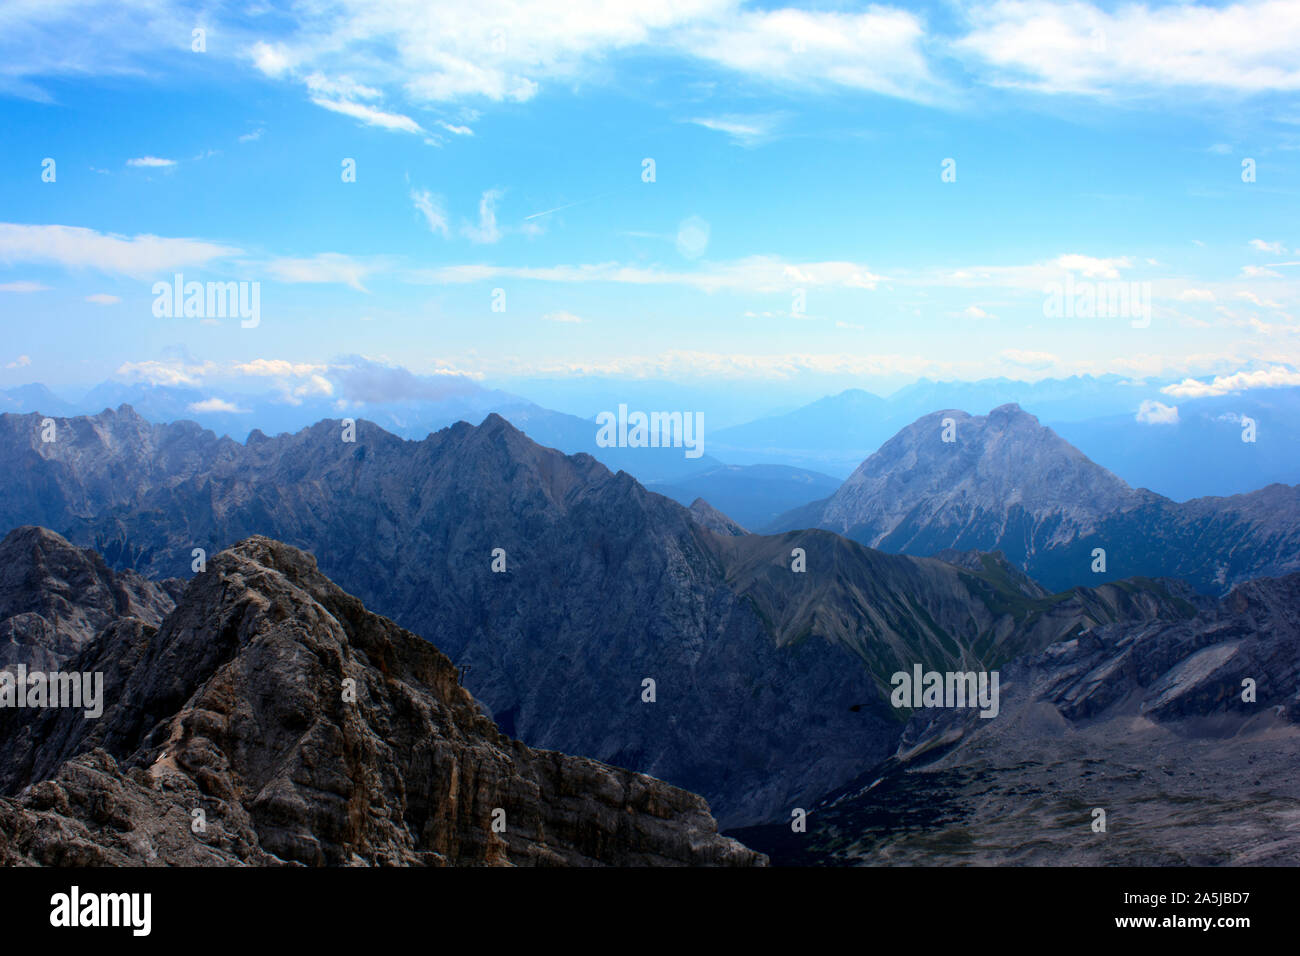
(1004, 482)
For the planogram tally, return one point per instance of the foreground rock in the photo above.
(304, 729)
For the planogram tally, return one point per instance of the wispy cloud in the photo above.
(431, 208)
(151, 162)
(370, 115)
(750, 130)
(326, 267)
(76, 247)
(756, 273)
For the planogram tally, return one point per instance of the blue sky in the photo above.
(798, 154)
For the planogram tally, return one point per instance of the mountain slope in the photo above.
(309, 730)
(1148, 722)
(54, 598)
(1009, 484)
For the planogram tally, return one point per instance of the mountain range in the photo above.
(600, 585)
(1004, 482)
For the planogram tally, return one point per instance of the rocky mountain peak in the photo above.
(55, 597)
(310, 730)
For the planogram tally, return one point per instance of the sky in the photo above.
(784, 199)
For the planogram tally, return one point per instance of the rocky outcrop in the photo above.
(1006, 483)
(55, 597)
(707, 516)
(304, 729)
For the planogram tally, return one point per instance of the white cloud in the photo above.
(1274, 247)
(23, 286)
(879, 50)
(1092, 267)
(746, 130)
(1275, 377)
(431, 207)
(277, 368)
(1077, 47)
(343, 87)
(562, 317)
(169, 372)
(271, 60)
(151, 162)
(1156, 413)
(211, 405)
(756, 273)
(103, 298)
(326, 267)
(975, 312)
(1259, 272)
(1196, 295)
(370, 115)
(21, 361)
(1253, 299)
(76, 247)
(253, 136)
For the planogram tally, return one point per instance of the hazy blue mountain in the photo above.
(1056, 399)
(835, 433)
(1202, 453)
(35, 398)
(753, 495)
(404, 404)
(1009, 484)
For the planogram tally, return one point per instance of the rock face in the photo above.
(707, 516)
(55, 597)
(1007, 483)
(1151, 723)
(309, 730)
(769, 683)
